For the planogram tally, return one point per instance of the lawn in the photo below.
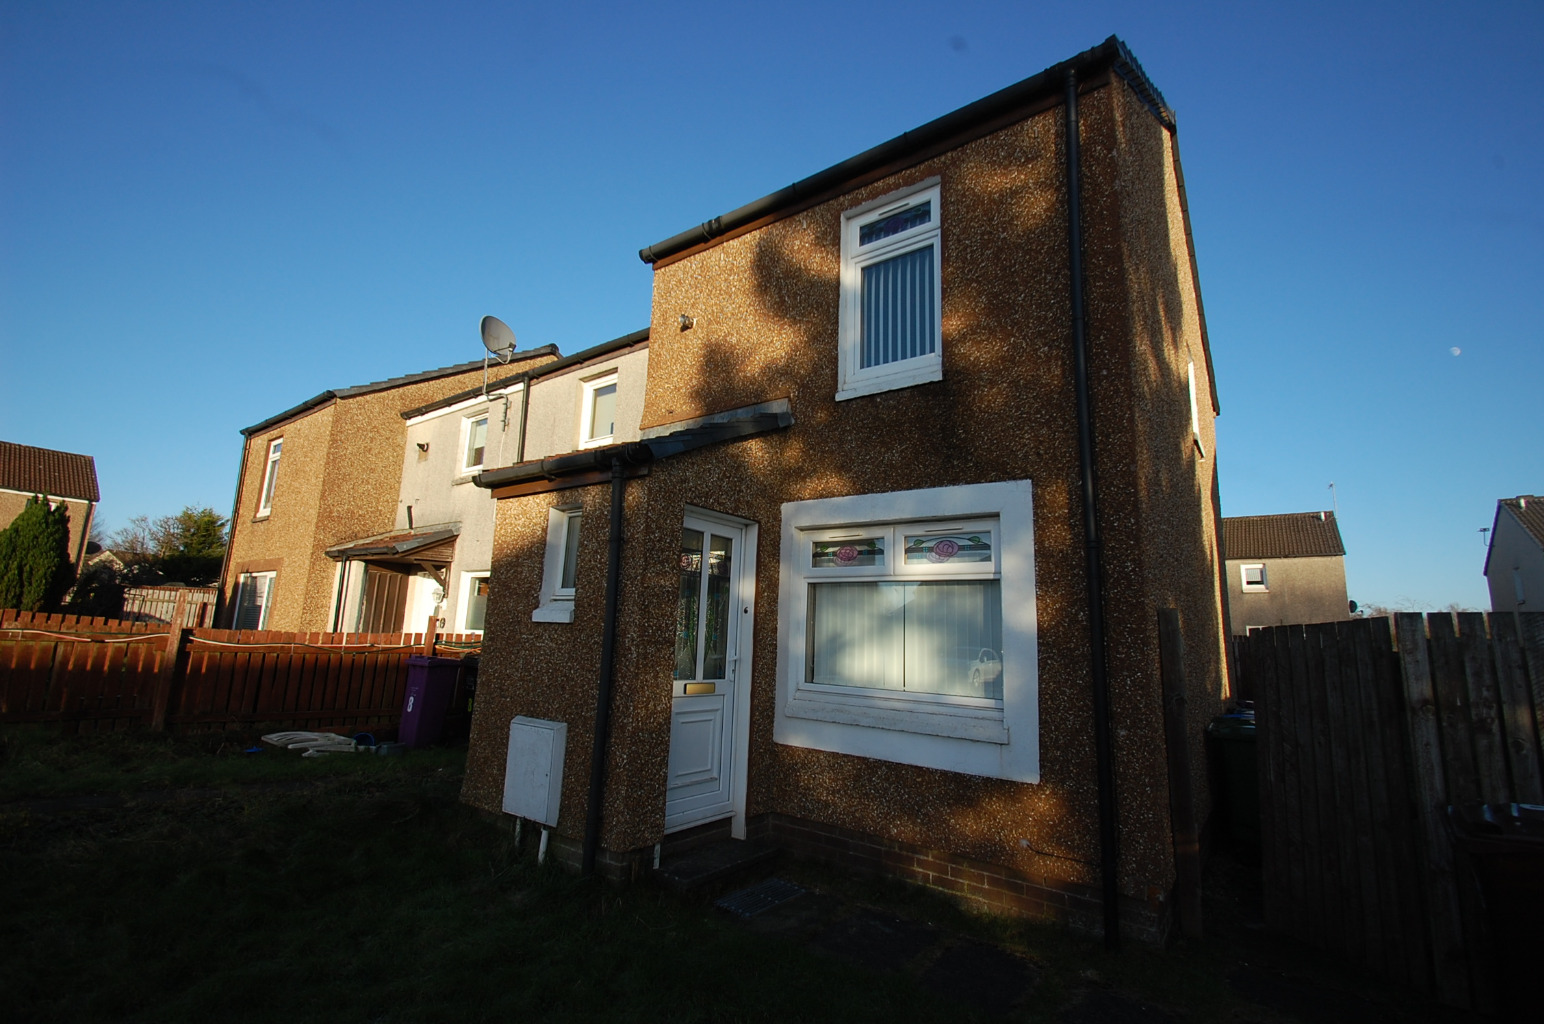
(182, 879)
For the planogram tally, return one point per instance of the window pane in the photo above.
(942, 637)
(899, 320)
(716, 626)
(912, 217)
(477, 603)
(687, 604)
(603, 412)
(476, 441)
(847, 554)
(570, 552)
(948, 548)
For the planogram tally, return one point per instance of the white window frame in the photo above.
(977, 736)
(1247, 585)
(467, 423)
(248, 580)
(557, 601)
(464, 602)
(1195, 411)
(587, 389)
(270, 477)
(853, 380)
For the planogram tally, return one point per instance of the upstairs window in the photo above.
(270, 477)
(476, 443)
(890, 323)
(598, 424)
(1252, 577)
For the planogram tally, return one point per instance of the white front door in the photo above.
(712, 610)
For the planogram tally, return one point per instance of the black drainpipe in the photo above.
(1108, 839)
(607, 658)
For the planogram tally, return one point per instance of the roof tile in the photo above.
(1292, 535)
(45, 471)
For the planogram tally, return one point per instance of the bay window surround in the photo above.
(907, 628)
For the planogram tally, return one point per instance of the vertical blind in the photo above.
(899, 320)
(942, 637)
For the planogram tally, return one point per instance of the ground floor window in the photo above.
(907, 628)
(254, 595)
(474, 601)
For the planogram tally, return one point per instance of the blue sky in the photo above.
(211, 211)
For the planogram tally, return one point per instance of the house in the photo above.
(1514, 562)
(26, 471)
(327, 473)
(440, 547)
(1284, 569)
(925, 446)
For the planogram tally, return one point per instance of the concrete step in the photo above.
(706, 870)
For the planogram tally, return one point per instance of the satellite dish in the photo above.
(497, 337)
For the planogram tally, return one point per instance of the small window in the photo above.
(890, 323)
(476, 443)
(474, 601)
(1517, 586)
(598, 420)
(560, 572)
(254, 595)
(270, 477)
(1195, 413)
(1252, 577)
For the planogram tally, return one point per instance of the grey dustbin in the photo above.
(431, 682)
(1232, 738)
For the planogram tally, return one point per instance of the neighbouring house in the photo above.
(65, 477)
(325, 474)
(926, 445)
(1282, 569)
(438, 555)
(1514, 562)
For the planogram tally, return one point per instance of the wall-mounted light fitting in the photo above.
(423, 446)
(688, 322)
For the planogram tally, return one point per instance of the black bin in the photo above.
(1232, 739)
(1504, 846)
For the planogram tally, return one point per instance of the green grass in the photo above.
(367, 894)
(214, 884)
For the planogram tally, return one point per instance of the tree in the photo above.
(188, 547)
(35, 567)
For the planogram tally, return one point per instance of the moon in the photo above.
(1456, 350)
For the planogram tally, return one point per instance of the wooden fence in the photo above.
(100, 675)
(1362, 746)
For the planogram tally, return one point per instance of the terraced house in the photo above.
(925, 446)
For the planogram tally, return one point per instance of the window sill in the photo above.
(557, 611)
(954, 723)
(261, 516)
(926, 373)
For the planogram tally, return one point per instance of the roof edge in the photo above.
(1112, 54)
(385, 385)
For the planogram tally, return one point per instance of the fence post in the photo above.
(430, 632)
(1182, 812)
(170, 656)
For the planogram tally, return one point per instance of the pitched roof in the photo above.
(1292, 535)
(1528, 510)
(45, 471)
(386, 385)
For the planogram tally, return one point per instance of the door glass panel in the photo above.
(716, 619)
(687, 604)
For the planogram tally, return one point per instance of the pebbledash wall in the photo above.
(765, 309)
(338, 480)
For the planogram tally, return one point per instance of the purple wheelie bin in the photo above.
(431, 682)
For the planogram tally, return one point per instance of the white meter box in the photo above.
(533, 772)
